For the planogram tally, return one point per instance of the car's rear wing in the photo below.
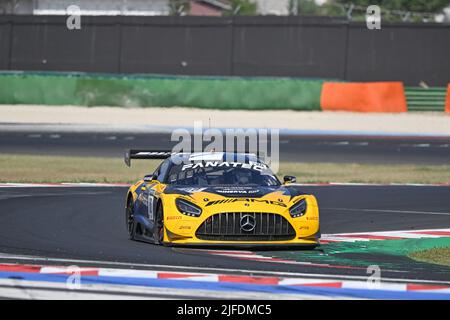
(145, 154)
(161, 154)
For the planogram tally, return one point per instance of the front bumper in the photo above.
(192, 241)
(259, 246)
(223, 226)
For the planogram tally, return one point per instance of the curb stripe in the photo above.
(422, 287)
(385, 235)
(336, 238)
(358, 289)
(329, 285)
(435, 233)
(249, 279)
(374, 237)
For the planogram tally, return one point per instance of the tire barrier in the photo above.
(364, 97)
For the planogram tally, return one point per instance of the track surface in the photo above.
(88, 223)
(308, 148)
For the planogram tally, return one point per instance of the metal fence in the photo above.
(237, 46)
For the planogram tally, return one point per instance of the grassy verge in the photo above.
(32, 168)
(436, 255)
(367, 173)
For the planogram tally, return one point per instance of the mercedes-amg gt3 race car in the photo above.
(217, 198)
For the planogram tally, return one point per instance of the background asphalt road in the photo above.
(303, 148)
(89, 223)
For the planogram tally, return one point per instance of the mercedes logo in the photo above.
(248, 223)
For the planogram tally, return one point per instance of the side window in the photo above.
(162, 171)
(157, 170)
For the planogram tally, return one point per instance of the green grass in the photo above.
(34, 168)
(439, 256)
(366, 173)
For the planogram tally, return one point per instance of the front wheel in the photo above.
(129, 219)
(158, 229)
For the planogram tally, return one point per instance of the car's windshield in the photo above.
(217, 173)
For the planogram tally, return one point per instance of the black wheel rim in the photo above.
(130, 219)
(161, 232)
(160, 225)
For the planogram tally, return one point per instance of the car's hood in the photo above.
(235, 191)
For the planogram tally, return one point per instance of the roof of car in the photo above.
(216, 156)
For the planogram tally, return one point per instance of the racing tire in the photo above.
(158, 230)
(129, 220)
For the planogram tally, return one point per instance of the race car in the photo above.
(218, 199)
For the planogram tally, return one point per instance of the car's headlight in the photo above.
(298, 209)
(188, 208)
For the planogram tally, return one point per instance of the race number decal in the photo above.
(150, 206)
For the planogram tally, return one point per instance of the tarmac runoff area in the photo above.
(41, 257)
(163, 119)
(349, 232)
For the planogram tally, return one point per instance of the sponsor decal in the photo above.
(150, 207)
(206, 164)
(174, 217)
(206, 156)
(185, 228)
(237, 190)
(192, 190)
(154, 153)
(247, 200)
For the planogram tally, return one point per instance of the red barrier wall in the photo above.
(364, 97)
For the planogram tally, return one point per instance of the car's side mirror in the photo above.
(289, 179)
(149, 177)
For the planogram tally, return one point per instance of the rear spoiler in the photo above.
(145, 154)
(159, 154)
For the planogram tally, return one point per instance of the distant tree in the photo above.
(178, 7)
(303, 7)
(396, 10)
(310, 7)
(242, 7)
(432, 6)
(8, 6)
(392, 10)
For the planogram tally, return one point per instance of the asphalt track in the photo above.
(88, 223)
(303, 148)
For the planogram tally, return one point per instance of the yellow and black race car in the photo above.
(218, 198)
